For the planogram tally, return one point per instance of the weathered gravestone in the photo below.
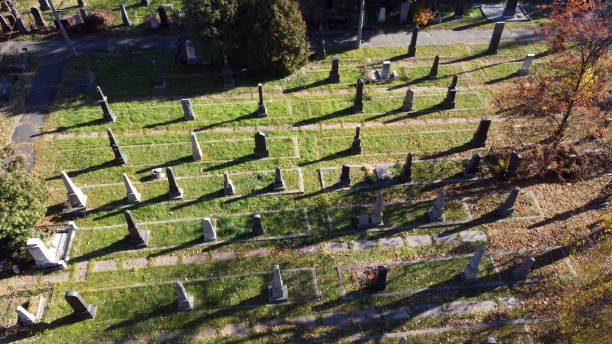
(163, 17)
(107, 113)
(436, 214)
(358, 103)
(38, 18)
(413, 42)
(137, 238)
(76, 198)
(506, 209)
(133, 196)
(334, 74)
(384, 74)
(449, 101)
(408, 100)
(473, 166)
(44, 5)
(184, 300)
(460, 9)
(257, 227)
(278, 291)
(261, 147)
(279, 183)
(526, 66)
(383, 174)
(25, 318)
(174, 190)
(228, 186)
(471, 270)
(406, 175)
(380, 281)
(124, 16)
(376, 217)
(188, 112)
(345, 176)
(496, 37)
(356, 145)
(262, 111)
(120, 157)
(404, 10)
(209, 231)
(433, 73)
(43, 256)
(513, 164)
(521, 272)
(321, 53)
(81, 309)
(480, 136)
(196, 151)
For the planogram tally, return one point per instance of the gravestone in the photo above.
(356, 145)
(25, 318)
(279, 183)
(345, 176)
(133, 196)
(334, 74)
(436, 214)
(358, 103)
(473, 166)
(137, 238)
(76, 197)
(524, 70)
(321, 53)
(261, 147)
(145, 3)
(408, 100)
(81, 308)
(158, 173)
(81, 3)
(124, 16)
(404, 10)
(196, 151)
(107, 113)
(5, 26)
(153, 22)
(278, 291)
(376, 217)
(188, 112)
(454, 81)
(471, 270)
(120, 157)
(384, 74)
(382, 15)
(433, 73)
(159, 83)
(480, 136)
(257, 227)
(402, 340)
(228, 75)
(163, 17)
(43, 256)
(175, 192)
(383, 174)
(520, 272)
(11, 21)
(496, 37)
(228, 185)
(209, 231)
(386, 69)
(380, 281)
(489, 340)
(44, 5)
(510, 9)
(262, 111)
(413, 42)
(506, 209)
(449, 101)
(184, 300)
(38, 18)
(406, 175)
(128, 56)
(459, 9)
(513, 164)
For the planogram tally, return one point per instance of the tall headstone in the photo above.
(449, 101)
(356, 145)
(76, 197)
(334, 74)
(209, 231)
(174, 190)
(25, 318)
(188, 112)
(480, 136)
(473, 166)
(124, 16)
(261, 147)
(526, 66)
(43, 256)
(345, 176)
(433, 73)
(108, 114)
(228, 186)
(358, 103)
(471, 270)
(321, 52)
(521, 272)
(137, 238)
(5, 25)
(459, 9)
(496, 37)
(257, 227)
(277, 292)
(279, 183)
(133, 196)
(38, 18)
(436, 214)
(408, 100)
(413, 42)
(196, 151)
(513, 164)
(228, 75)
(262, 111)
(386, 70)
(380, 281)
(120, 156)
(454, 81)
(404, 10)
(44, 5)
(81, 308)
(376, 217)
(510, 9)
(382, 15)
(406, 175)
(164, 21)
(506, 209)
(184, 300)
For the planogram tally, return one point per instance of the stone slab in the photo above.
(307, 321)
(484, 306)
(308, 249)
(474, 236)
(105, 265)
(265, 325)
(493, 12)
(81, 270)
(391, 242)
(367, 316)
(429, 310)
(236, 329)
(57, 277)
(448, 239)
(205, 333)
(363, 244)
(397, 314)
(225, 255)
(336, 319)
(195, 259)
(260, 252)
(418, 240)
(135, 263)
(336, 246)
(166, 337)
(456, 307)
(510, 301)
(165, 260)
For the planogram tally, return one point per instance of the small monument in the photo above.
(196, 151)
(380, 281)
(513, 164)
(470, 272)
(526, 66)
(356, 145)
(133, 196)
(108, 114)
(358, 102)
(385, 74)
(261, 147)
(473, 166)
(262, 111)
(25, 318)
(277, 292)
(184, 300)
(406, 175)
(436, 214)
(376, 217)
(408, 100)
(257, 227)
(228, 185)
(82, 309)
(188, 112)
(449, 101)
(504, 12)
(496, 38)
(521, 272)
(175, 192)
(279, 183)
(433, 72)
(334, 74)
(413, 42)
(506, 209)
(209, 231)
(345, 176)
(321, 53)
(137, 238)
(76, 197)
(480, 136)
(43, 256)
(120, 157)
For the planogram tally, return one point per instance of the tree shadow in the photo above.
(462, 148)
(203, 198)
(305, 87)
(251, 115)
(415, 114)
(504, 78)
(161, 124)
(335, 114)
(170, 163)
(470, 26)
(61, 129)
(236, 161)
(337, 155)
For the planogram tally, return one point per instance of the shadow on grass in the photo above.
(471, 26)
(252, 115)
(72, 174)
(305, 87)
(501, 79)
(161, 124)
(236, 161)
(462, 148)
(170, 163)
(61, 129)
(203, 198)
(339, 113)
(337, 155)
(415, 114)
